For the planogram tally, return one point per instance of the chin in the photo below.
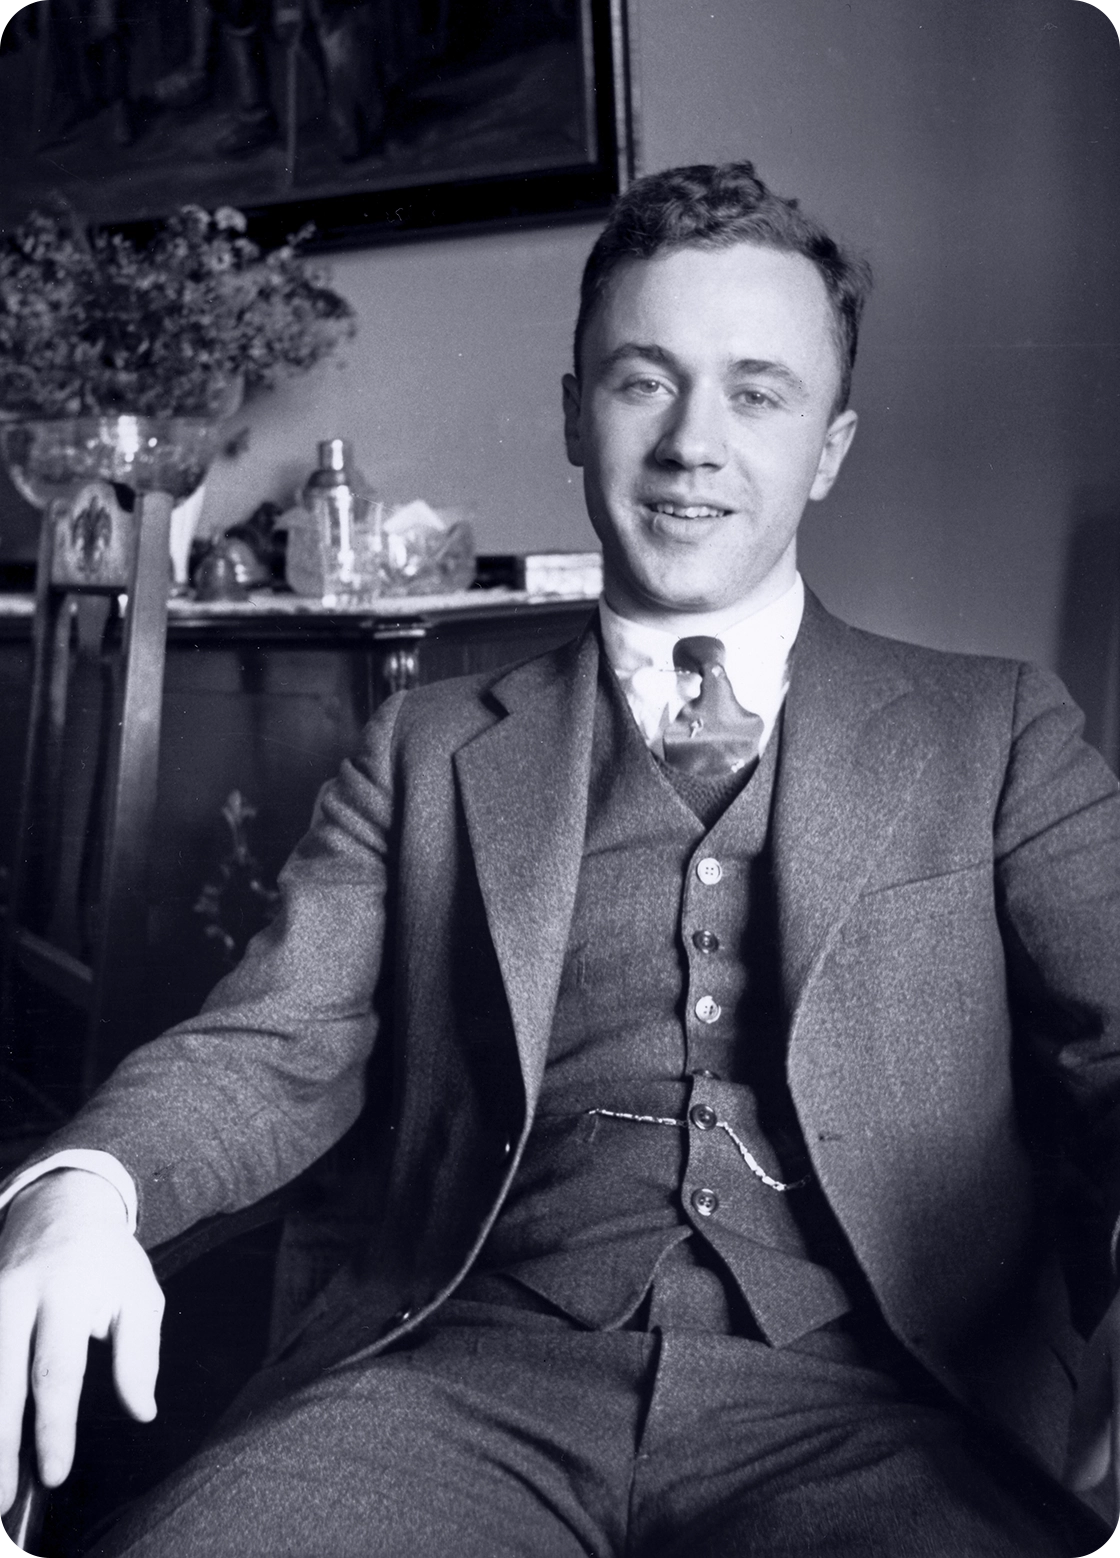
(683, 593)
(686, 602)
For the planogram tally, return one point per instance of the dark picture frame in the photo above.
(374, 120)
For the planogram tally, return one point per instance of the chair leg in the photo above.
(50, 667)
(132, 781)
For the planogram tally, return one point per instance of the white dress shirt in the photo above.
(757, 660)
(103, 1164)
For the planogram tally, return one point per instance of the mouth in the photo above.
(688, 510)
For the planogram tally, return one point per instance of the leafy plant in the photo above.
(93, 323)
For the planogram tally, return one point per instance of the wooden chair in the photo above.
(77, 916)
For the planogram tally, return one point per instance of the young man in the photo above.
(750, 990)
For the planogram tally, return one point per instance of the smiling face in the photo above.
(703, 421)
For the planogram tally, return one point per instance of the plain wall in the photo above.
(450, 390)
(970, 148)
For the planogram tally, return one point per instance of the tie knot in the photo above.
(698, 654)
(713, 735)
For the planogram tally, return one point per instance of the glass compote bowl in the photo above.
(47, 457)
(51, 457)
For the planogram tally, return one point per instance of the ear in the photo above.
(572, 402)
(837, 442)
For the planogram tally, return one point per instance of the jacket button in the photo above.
(705, 1202)
(707, 1009)
(704, 1117)
(709, 871)
(705, 941)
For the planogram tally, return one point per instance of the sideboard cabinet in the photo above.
(262, 701)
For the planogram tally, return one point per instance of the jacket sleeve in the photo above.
(223, 1109)
(1057, 839)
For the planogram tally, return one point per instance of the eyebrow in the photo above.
(759, 368)
(745, 367)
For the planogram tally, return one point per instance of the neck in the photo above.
(713, 621)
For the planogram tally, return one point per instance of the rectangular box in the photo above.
(561, 573)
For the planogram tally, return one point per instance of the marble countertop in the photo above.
(265, 603)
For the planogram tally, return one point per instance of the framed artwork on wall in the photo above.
(373, 119)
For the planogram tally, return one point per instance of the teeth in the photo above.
(693, 511)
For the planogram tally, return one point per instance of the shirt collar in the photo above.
(758, 649)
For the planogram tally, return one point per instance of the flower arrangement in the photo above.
(94, 324)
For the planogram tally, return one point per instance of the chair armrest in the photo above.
(174, 1254)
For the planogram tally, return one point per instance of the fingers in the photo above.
(17, 1318)
(58, 1368)
(135, 1337)
(69, 1271)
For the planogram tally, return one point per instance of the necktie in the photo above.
(713, 735)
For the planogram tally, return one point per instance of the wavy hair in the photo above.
(712, 206)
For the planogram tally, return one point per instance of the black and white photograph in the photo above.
(559, 820)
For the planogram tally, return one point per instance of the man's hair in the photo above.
(712, 207)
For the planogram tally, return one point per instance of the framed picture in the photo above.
(373, 119)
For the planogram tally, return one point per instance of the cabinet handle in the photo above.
(401, 669)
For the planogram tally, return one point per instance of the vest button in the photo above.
(705, 1202)
(705, 941)
(709, 871)
(704, 1117)
(708, 1010)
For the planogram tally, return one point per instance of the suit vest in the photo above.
(650, 1190)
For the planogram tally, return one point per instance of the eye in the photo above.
(644, 386)
(755, 399)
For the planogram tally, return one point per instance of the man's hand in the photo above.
(70, 1270)
(1094, 1452)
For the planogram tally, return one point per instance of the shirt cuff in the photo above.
(103, 1164)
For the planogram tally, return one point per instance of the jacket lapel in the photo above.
(524, 784)
(853, 746)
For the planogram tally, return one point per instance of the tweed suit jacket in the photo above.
(947, 861)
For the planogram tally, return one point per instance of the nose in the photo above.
(694, 435)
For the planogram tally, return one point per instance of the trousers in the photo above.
(492, 1434)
